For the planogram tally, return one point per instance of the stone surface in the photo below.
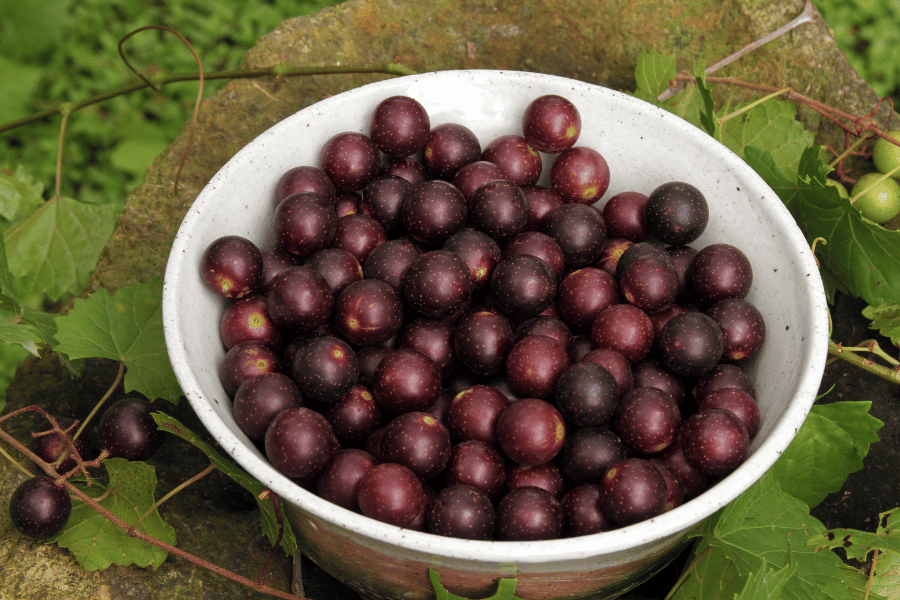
(581, 39)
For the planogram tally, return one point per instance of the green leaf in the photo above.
(141, 143)
(886, 581)
(14, 331)
(830, 445)
(713, 576)
(18, 82)
(506, 588)
(36, 323)
(55, 248)
(127, 327)
(19, 194)
(652, 75)
(708, 119)
(766, 527)
(886, 319)
(766, 584)
(770, 126)
(266, 509)
(858, 544)
(860, 257)
(97, 543)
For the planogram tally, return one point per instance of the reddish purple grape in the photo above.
(304, 224)
(325, 368)
(531, 431)
(541, 201)
(355, 416)
(406, 380)
(338, 481)
(246, 360)
(584, 294)
(545, 476)
(418, 441)
(624, 328)
(299, 442)
(339, 267)
(482, 341)
(473, 414)
(437, 284)
(390, 493)
(714, 441)
(432, 338)
(247, 319)
(368, 312)
(647, 420)
(475, 174)
(633, 490)
(624, 217)
(232, 267)
(583, 515)
(534, 364)
(478, 250)
(742, 326)
(390, 261)
(551, 123)
(399, 126)
(719, 272)
(516, 157)
(305, 179)
(477, 464)
(739, 402)
(358, 234)
(580, 175)
(540, 245)
(300, 299)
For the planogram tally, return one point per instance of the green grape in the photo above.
(886, 155)
(877, 197)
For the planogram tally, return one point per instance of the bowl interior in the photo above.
(644, 146)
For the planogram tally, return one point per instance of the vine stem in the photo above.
(129, 529)
(279, 70)
(851, 356)
(112, 388)
(175, 490)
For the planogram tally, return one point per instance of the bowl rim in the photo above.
(626, 538)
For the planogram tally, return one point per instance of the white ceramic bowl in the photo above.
(644, 146)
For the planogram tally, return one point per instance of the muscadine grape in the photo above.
(877, 197)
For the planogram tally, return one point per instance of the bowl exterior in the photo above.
(644, 147)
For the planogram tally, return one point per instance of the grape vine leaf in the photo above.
(652, 75)
(886, 580)
(21, 325)
(770, 126)
(266, 507)
(95, 542)
(54, 249)
(712, 576)
(860, 257)
(830, 445)
(766, 584)
(886, 319)
(858, 544)
(19, 194)
(766, 527)
(707, 113)
(127, 327)
(15, 331)
(506, 588)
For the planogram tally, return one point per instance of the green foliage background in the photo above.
(867, 30)
(56, 51)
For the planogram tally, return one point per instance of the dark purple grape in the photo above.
(534, 364)
(432, 338)
(584, 294)
(478, 250)
(382, 199)
(259, 400)
(338, 266)
(586, 394)
(477, 464)
(714, 441)
(527, 514)
(437, 284)
(350, 159)
(545, 476)
(475, 174)
(433, 211)
(633, 490)
(448, 148)
(50, 445)
(417, 441)
(588, 452)
(583, 515)
(541, 201)
(305, 179)
(406, 380)
(127, 430)
(300, 299)
(647, 420)
(550, 326)
(39, 507)
(498, 208)
(399, 126)
(649, 372)
(624, 328)
(246, 360)
(390, 261)
(623, 215)
(355, 416)
(723, 376)
(691, 344)
(649, 284)
(247, 319)
(461, 511)
(325, 368)
(742, 325)
(523, 285)
(719, 272)
(739, 402)
(541, 245)
(579, 231)
(338, 481)
(676, 213)
(299, 442)
(358, 234)
(410, 169)
(390, 493)
(473, 414)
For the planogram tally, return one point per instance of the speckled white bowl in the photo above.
(644, 146)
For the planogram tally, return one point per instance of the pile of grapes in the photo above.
(438, 342)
